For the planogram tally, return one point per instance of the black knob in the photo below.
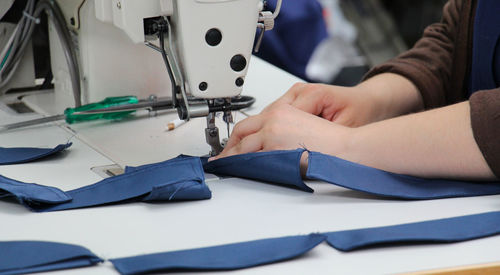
(238, 63)
(203, 86)
(213, 37)
(239, 81)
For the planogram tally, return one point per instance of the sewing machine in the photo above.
(160, 48)
(195, 53)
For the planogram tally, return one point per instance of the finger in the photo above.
(289, 96)
(249, 144)
(310, 102)
(244, 128)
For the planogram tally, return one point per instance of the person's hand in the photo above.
(379, 98)
(284, 127)
(350, 107)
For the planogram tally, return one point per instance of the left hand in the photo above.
(283, 127)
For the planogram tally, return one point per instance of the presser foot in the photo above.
(212, 136)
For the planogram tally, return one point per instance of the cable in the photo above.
(23, 36)
(278, 9)
(19, 36)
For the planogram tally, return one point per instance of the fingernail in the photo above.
(210, 159)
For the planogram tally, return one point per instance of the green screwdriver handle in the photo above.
(106, 103)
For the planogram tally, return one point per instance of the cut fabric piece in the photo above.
(283, 167)
(266, 251)
(374, 181)
(30, 194)
(22, 257)
(224, 257)
(175, 179)
(23, 155)
(449, 230)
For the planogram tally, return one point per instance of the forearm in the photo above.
(392, 96)
(437, 143)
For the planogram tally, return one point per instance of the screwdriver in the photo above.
(71, 114)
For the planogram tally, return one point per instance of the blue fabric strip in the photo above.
(249, 254)
(175, 179)
(266, 251)
(21, 257)
(283, 167)
(29, 256)
(373, 181)
(449, 230)
(23, 155)
(161, 181)
(30, 194)
(224, 257)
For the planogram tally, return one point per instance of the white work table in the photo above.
(240, 210)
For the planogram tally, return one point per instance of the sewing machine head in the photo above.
(201, 49)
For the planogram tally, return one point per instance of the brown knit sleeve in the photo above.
(485, 120)
(429, 63)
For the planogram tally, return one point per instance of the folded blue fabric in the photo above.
(224, 257)
(448, 230)
(23, 155)
(175, 179)
(283, 167)
(21, 257)
(30, 194)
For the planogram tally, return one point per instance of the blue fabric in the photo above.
(374, 181)
(21, 257)
(224, 257)
(283, 167)
(449, 230)
(23, 155)
(299, 28)
(266, 251)
(280, 167)
(30, 194)
(175, 179)
(485, 72)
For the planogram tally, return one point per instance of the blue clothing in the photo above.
(496, 60)
(299, 28)
(485, 71)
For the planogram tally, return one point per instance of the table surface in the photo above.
(240, 210)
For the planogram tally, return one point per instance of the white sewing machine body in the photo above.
(114, 61)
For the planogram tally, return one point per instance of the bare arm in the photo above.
(436, 143)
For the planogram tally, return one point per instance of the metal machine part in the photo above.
(205, 46)
(163, 29)
(212, 135)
